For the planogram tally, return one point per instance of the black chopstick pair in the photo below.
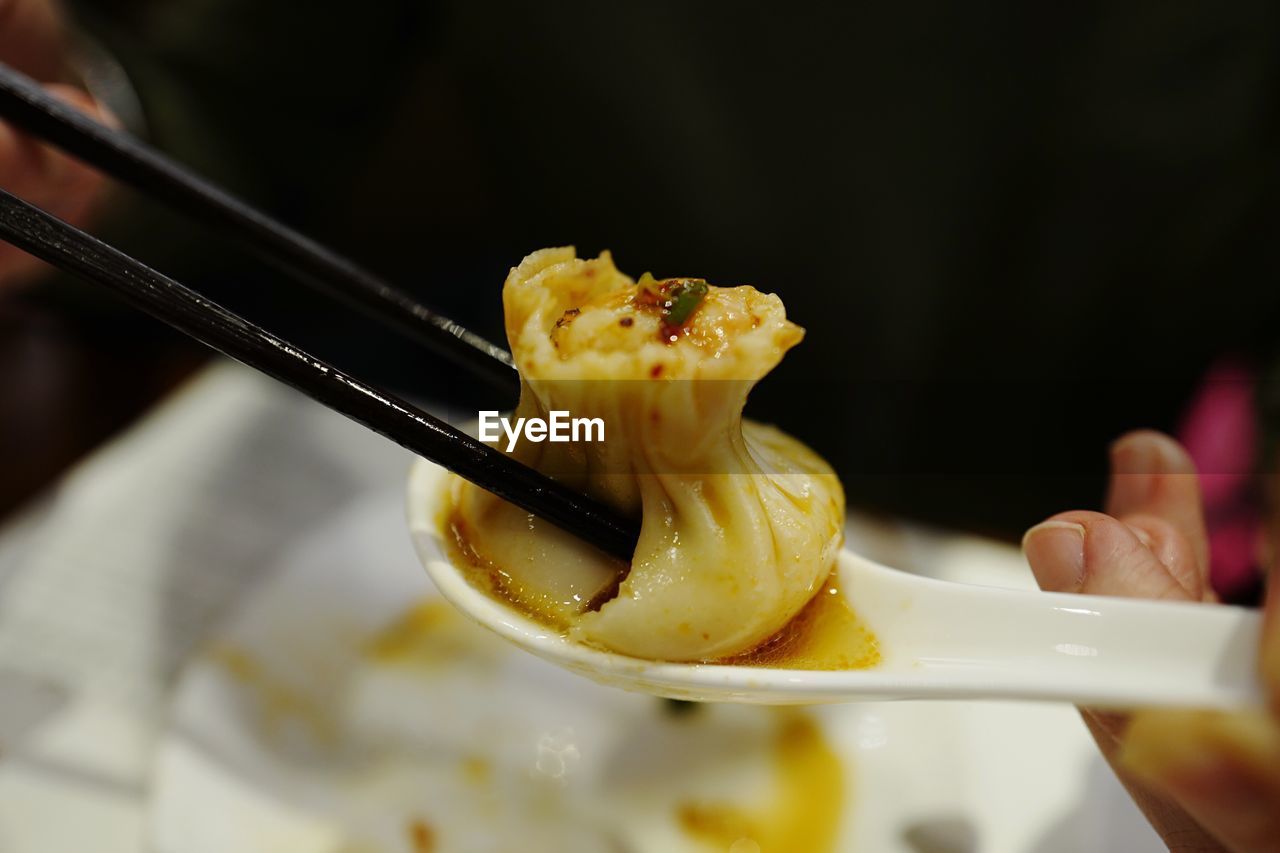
(26, 105)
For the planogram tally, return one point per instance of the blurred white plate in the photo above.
(291, 733)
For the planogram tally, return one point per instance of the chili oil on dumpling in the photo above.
(741, 522)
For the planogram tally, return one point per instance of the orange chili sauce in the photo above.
(825, 635)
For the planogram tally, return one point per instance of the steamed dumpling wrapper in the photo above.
(741, 523)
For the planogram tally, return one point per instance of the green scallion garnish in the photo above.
(683, 299)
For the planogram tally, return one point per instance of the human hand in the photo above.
(32, 40)
(1206, 780)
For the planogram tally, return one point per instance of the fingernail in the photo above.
(1055, 550)
(1135, 461)
(1147, 454)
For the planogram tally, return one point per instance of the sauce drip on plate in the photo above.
(803, 813)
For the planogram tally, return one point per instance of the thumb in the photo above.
(1095, 554)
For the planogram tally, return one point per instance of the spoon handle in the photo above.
(1091, 650)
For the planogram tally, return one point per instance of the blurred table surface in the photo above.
(112, 574)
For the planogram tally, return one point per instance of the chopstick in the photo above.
(72, 250)
(28, 106)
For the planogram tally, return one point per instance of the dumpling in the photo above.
(741, 523)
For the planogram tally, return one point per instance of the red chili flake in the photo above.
(567, 317)
(655, 371)
(626, 322)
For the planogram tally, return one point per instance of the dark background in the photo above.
(1013, 231)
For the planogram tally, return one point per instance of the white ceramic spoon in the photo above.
(938, 640)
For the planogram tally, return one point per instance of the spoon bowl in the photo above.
(938, 640)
